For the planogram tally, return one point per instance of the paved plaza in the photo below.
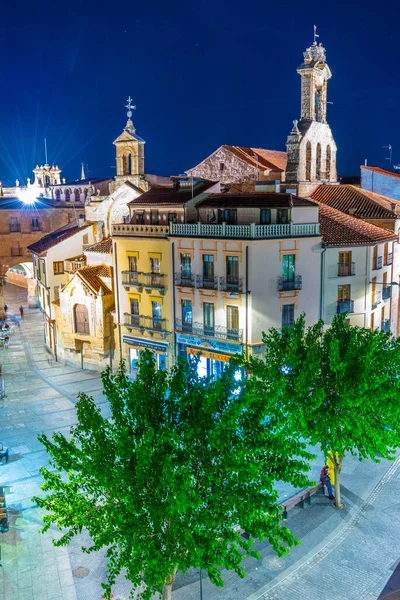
(345, 555)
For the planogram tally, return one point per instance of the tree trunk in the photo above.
(167, 592)
(338, 467)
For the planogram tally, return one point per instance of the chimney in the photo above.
(81, 220)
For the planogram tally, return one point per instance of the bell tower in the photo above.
(311, 147)
(130, 153)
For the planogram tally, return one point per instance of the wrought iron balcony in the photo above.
(344, 306)
(289, 283)
(230, 284)
(346, 269)
(386, 292)
(201, 330)
(389, 259)
(377, 263)
(184, 280)
(141, 322)
(208, 282)
(385, 325)
(376, 300)
(148, 281)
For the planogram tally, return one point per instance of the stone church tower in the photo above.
(311, 149)
(129, 153)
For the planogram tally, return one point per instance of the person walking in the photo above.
(21, 311)
(5, 308)
(326, 480)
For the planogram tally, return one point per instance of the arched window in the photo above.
(328, 162)
(308, 161)
(67, 195)
(318, 163)
(125, 164)
(130, 169)
(81, 317)
(77, 195)
(58, 194)
(47, 180)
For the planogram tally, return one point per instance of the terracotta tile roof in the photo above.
(173, 194)
(356, 201)
(339, 229)
(92, 277)
(52, 239)
(381, 171)
(254, 200)
(273, 160)
(104, 247)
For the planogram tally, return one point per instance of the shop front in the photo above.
(136, 345)
(213, 355)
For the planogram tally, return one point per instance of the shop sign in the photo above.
(208, 354)
(216, 345)
(143, 343)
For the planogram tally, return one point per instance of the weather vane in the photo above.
(130, 107)
(316, 35)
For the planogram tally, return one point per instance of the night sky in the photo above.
(201, 73)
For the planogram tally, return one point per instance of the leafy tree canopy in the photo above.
(168, 482)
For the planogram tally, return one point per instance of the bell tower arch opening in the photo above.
(129, 155)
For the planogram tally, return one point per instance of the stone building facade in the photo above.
(311, 148)
(381, 181)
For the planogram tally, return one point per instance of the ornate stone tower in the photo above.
(310, 146)
(130, 153)
(46, 175)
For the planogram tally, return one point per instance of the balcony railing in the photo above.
(147, 281)
(290, 283)
(184, 280)
(217, 332)
(208, 282)
(15, 228)
(152, 324)
(230, 284)
(377, 263)
(345, 269)
(386, 292)
(385, 325)
(133, 230)
(244, 231)
(376, 300)
(73, 265)
(389, 259)
(344, 306)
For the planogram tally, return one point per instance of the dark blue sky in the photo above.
(202, 74)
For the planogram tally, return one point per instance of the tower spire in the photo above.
(129, 125)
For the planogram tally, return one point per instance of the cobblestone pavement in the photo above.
(351, 551)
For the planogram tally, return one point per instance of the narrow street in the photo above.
(353, 551)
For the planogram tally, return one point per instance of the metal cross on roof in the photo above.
(130, 107)
(316, 35)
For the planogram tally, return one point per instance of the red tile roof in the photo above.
(104, 247)
(356, 201)
(92, 277)
(173, 194)
(52, 239)
(381, 171)
(339, 229)
(273, 160)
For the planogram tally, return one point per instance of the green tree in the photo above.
(170, 479)
(339, 388)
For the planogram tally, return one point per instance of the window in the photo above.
(344, 265)
(221, 166)
(383, 316)
(288, 267)
(208, 317)
(161, 362)
(328, 162)
(386, 253)
(58, 194)
(134, 306)
(56, 290)
(154, 265)
(187, 315)
(232, 322)
(232, 270)
(172, 217)
(318, 163)
(157, 316)
(373, 291)
(132, 261)
(375, 257)
(58, 267)
(343, 293)
(372, 321)
(308, 161)
(77, 195)
(283, 216)
(14, 225)
(35, 225)
(227, 215)
(265, 216)
(139, 215)
(154, 218)
(208, 267)
(67, 195)
(287, 315)
(81, 319)
(186, 266)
